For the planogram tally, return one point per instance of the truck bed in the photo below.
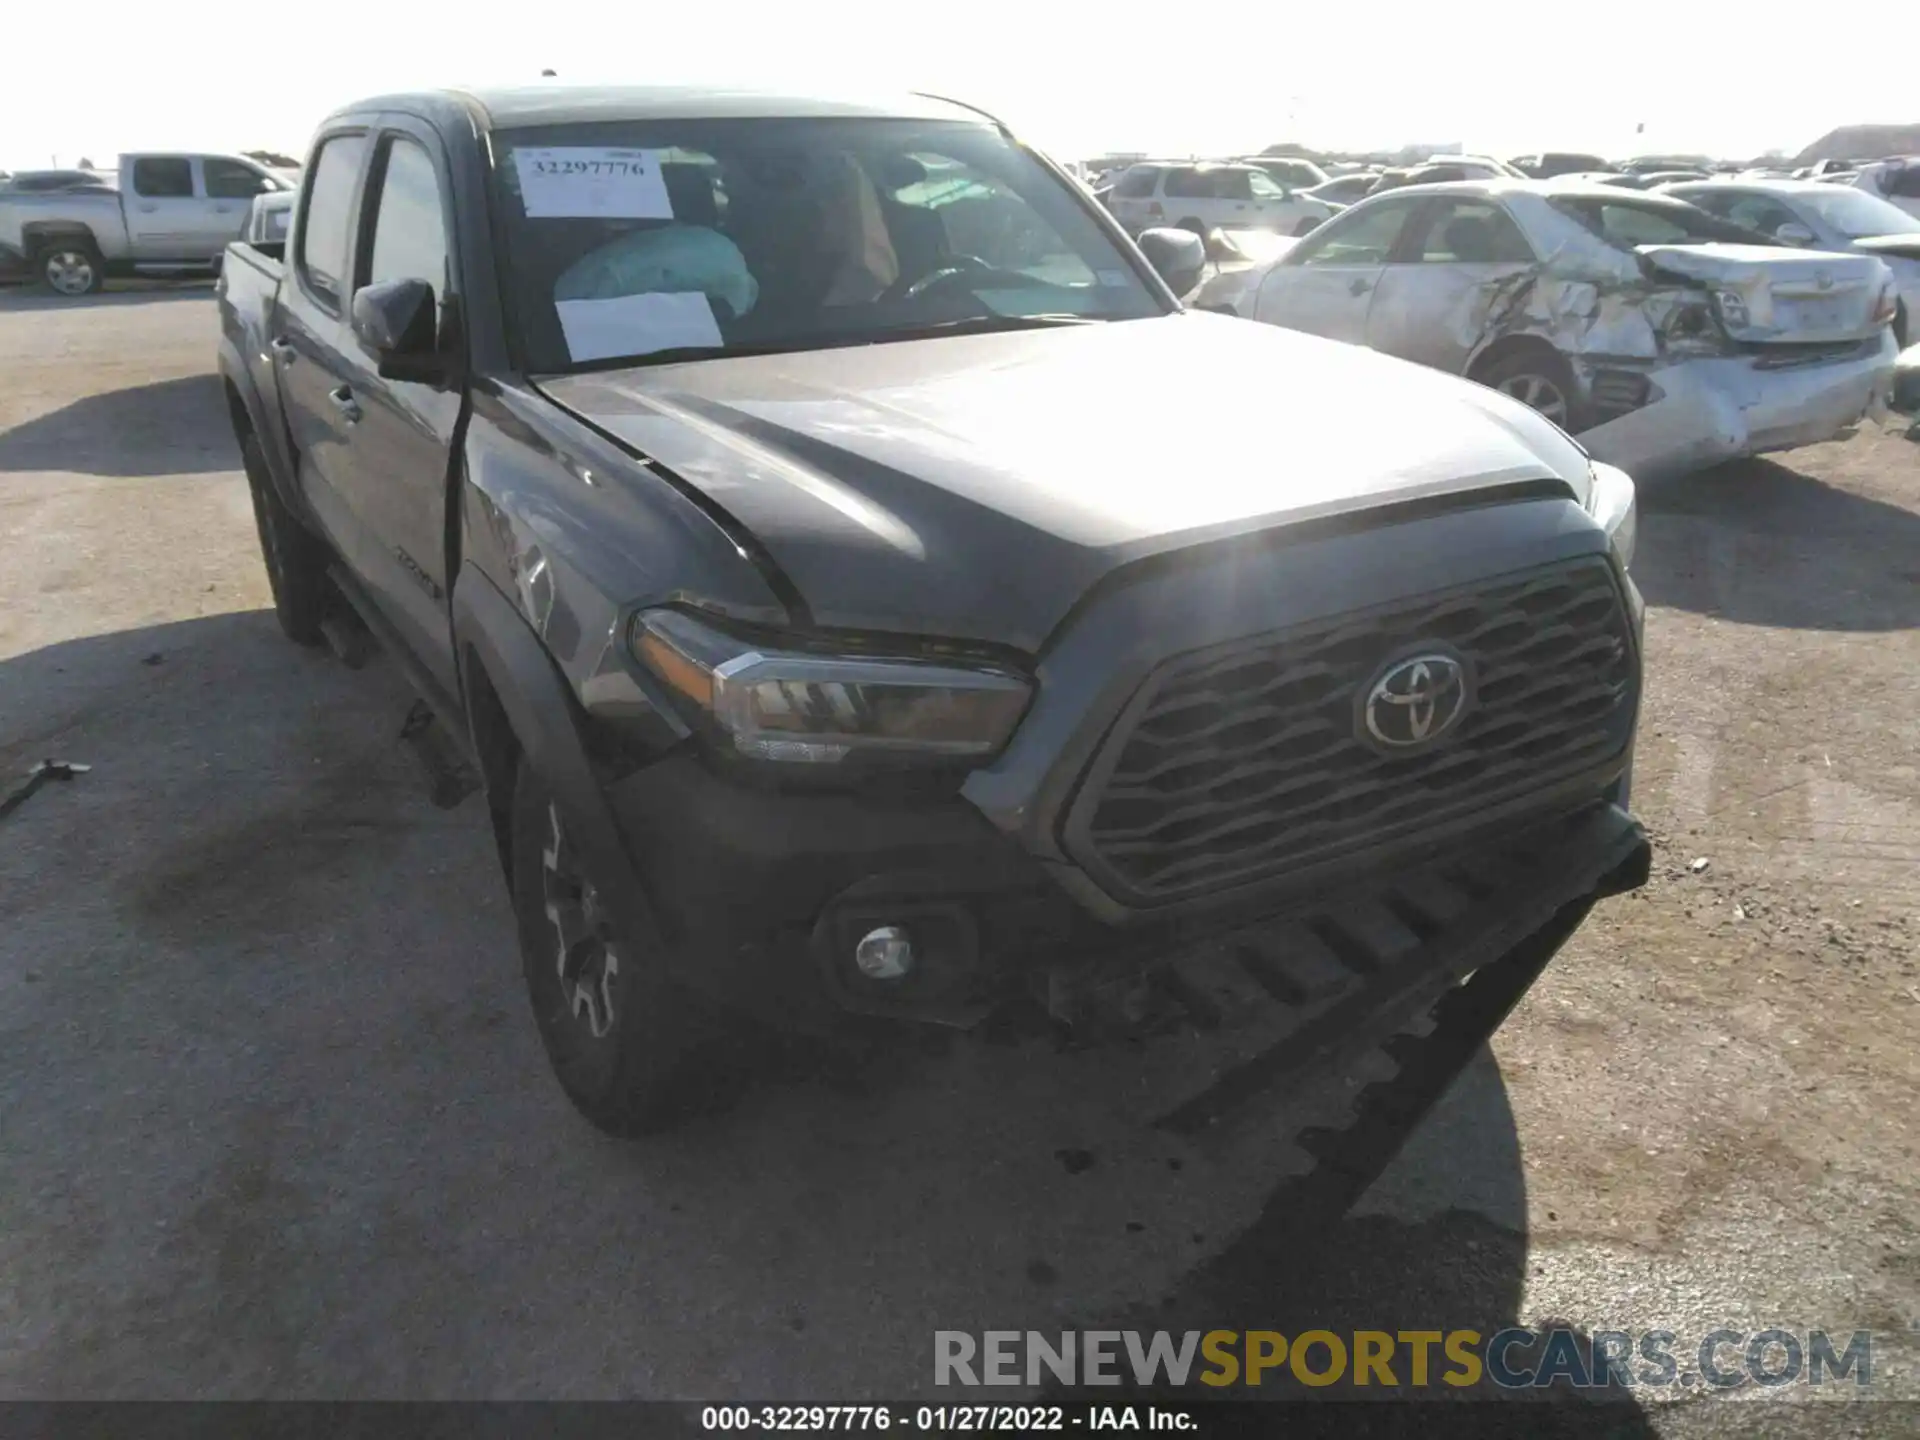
(269, 257)
(247, 292)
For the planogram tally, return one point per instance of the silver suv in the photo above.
(1200, 197)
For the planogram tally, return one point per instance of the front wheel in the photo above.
(621, 1036)
(72, 268)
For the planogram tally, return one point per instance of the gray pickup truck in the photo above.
(166, 215)
(714, 467)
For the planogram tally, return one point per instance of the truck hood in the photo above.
(975, 487)
(1790, 296)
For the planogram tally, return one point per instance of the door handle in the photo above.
(1359, 287)
(343, 401)
(148, 209)
(283, 349)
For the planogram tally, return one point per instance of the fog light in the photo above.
(884, 954)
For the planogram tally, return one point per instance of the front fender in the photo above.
(500, 657)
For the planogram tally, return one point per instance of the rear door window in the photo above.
(163, 177)
(230, 180)
(322, 258)
(1189, 184)
(1472, 232)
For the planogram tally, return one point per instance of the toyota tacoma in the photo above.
(710, 464)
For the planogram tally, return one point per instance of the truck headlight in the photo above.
(1611, 502)
(791, 705)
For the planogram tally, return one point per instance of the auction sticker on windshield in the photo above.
(591, 181)
(636, 324)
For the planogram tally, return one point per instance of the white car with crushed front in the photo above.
(1667, 339)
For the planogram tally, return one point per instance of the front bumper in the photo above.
(762, 891)
(1713, 410)
(764, 895)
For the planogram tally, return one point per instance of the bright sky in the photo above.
(1076, 78)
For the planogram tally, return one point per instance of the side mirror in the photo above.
(1177, 255)
(1794, 233)
(398, 322)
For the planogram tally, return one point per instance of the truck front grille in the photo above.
(1244, 762)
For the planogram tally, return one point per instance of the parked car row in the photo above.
(1896, 179)
(1823, 217)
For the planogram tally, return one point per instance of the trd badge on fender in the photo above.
(1414, 702)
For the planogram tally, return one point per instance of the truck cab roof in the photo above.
(500, 108)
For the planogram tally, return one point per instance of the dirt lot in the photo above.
(276, 1122)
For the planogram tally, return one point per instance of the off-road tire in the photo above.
(295, 558)
(635, 1077)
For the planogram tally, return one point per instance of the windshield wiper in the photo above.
(970, 325)
(675, 354)
(981, 325)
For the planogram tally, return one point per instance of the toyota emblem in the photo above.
(1414, 702)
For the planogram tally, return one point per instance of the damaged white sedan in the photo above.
(1666, 339)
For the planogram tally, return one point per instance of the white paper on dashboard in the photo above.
(591, 181)
(636, 324)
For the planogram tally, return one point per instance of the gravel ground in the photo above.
(277, 1124)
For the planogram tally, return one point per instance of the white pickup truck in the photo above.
(167, 214)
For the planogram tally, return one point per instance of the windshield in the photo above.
(687, 238)
(1856, 214)
(1630, 220)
